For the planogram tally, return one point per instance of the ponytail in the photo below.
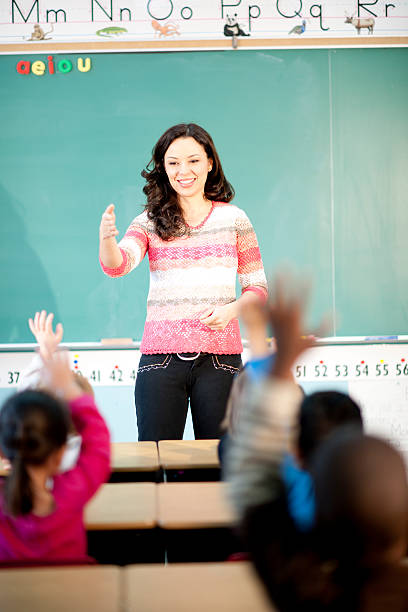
(33, 424)
(18, 496)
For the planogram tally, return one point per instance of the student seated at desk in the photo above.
(41, 510)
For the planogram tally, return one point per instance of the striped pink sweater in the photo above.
(189, 275)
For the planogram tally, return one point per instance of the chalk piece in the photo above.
(116, 341)
(376, 338)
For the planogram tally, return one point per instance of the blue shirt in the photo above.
(299, 492)
(259, 367)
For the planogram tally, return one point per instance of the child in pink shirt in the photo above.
(41, 510)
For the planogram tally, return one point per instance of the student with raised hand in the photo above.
(41, 510)
(267, 424)
(197, 243)
(313, 418)
(41, 326)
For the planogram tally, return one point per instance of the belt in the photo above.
(188, 356)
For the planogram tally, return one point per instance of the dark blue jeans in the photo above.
(165, 384)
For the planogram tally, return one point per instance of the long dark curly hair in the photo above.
(162, 205)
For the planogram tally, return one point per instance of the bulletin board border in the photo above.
(203, 45)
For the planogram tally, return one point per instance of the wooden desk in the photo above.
(61, 589)
(134, 457)
(230, 587)
(126, 457)
(191, 505)
(122, 506)
(188, 454)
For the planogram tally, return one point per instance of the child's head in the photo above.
(361, 499)
(321, 413)
(33, 431)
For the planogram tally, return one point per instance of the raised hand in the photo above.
(286, 310)
(41, 328)
(107, 228)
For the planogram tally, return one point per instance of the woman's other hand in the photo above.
(218, 318)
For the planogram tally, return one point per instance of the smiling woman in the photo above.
(197, 242)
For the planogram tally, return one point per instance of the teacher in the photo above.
(197, 243)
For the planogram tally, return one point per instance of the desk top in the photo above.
(230, 587)
(193, 505)
(184, 454)
(125, 505)
(66, 589)
(126, 457)
(134, 457)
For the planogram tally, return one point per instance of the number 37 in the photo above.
(13, 377)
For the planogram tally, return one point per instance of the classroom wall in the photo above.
(314, 142)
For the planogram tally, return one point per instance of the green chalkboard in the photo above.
(314, 142)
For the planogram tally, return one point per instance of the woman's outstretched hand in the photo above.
(107, 227)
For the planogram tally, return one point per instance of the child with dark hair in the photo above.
(41, 510)
(320, 414)
(361, 532)
(361, 493)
